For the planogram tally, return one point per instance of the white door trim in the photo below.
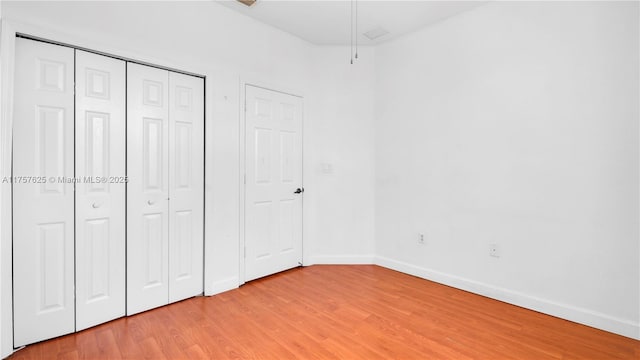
(242, 163)
(7, 56)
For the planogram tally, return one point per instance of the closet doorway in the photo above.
(108, 189)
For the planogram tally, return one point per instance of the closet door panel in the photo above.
(100, 190)
(186, 181)
(147, 189)
(43, 249)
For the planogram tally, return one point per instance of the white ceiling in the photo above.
(328, 22)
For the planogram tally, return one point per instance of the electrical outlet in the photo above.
(494, 250)
(421, 239)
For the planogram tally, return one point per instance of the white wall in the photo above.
(340, 182)
(516, 124)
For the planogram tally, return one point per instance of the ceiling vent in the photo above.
(247, 2)
(376, 33)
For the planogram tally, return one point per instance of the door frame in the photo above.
(7, 70)
(242, 163)
(9, 31)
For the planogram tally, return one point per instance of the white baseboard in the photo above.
(564, 311)
(342, 259)
(220, 286)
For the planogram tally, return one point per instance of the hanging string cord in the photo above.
(351, 29)
(356, 34)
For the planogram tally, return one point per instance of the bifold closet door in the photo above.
(148, 188)
(43, 205)
(165, 205)
(73, 265)
(100, 191)
(186, 186)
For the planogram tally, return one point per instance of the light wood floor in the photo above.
(345, 312)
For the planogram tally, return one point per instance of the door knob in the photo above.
(299, 191)
(96, 205)
(150, 202)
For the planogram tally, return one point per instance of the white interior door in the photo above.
(148, 188)
(186, 186)
(273, 168)
(43, 248)
(100, 190)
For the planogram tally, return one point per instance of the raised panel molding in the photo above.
(184, 98)
(183, 156)
(50, 75)
(287, 146)
(262, 228)
(288, 112)
(152, 154)
(97, 251)
(50, 252)
(183, 237)
(153, 248)
(98, 149)
(263, 155)
(97, 84)
(287, 223)
(50, 141)
(152, 93)
(263, 108)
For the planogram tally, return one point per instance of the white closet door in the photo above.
(100, 191)
(273, 190)
(186, 181)
(147, 190)
(43, 254)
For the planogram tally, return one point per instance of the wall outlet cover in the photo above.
(494, 250)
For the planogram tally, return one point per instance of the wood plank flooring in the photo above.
(338, 312)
